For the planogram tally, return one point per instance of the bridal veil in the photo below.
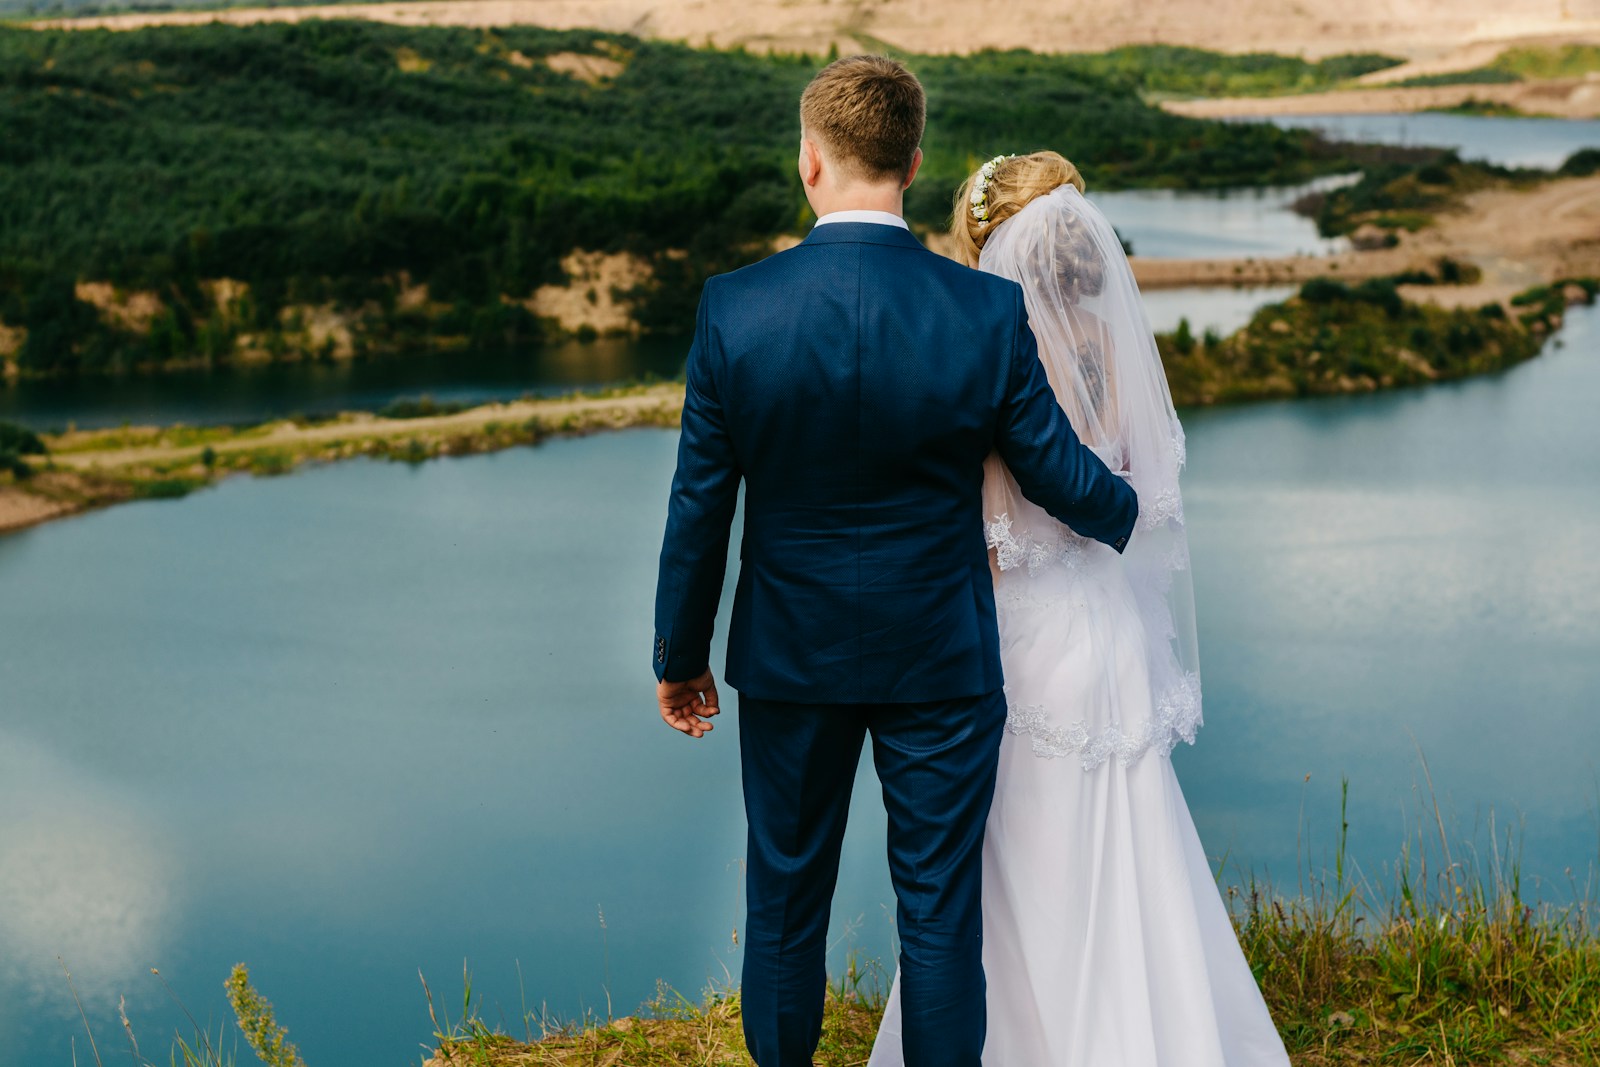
(1099, 353)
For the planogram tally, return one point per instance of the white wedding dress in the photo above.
(1106, 941)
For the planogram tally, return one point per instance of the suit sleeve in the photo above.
(705, 488)
(1054, 469)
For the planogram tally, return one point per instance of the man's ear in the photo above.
(911, 175)
(810, 162)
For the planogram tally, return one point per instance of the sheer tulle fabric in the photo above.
(1105, 938)
(1101, 359)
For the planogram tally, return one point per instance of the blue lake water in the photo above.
(372, 718)
(1220, 308)
(1512, 142)
(247, 394)
(1235, 224)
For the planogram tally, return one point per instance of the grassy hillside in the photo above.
(345, 167)
(1174, 70)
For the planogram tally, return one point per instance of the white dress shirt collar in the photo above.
(880, 218)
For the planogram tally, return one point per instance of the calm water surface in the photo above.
(1511, 142)
(253, 393)
(1220, 308)
(1235, 224)
(371, 717)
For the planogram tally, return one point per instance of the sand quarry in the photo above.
(1440, 34)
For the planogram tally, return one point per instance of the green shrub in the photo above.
(1582, 163)
(1566, 61)
(1478, 76)
(1177, 69)
(420, 408)
(271, 464)
(19, 468)
(1324, 291)
(166, 488)
(20, 440)
(1183, 338)
(1380, 292)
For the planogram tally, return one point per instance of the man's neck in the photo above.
(890, 199)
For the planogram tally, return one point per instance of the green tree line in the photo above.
(321, 161)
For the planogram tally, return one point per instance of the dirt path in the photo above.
(75, 452)
(1520, 239)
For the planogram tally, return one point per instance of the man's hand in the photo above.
(688, 706)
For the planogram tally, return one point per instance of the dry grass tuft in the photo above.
(671, 1032)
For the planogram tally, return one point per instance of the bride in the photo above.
(1105, 939)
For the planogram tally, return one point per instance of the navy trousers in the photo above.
(936, 762)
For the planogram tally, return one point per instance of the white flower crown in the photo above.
(980, 188)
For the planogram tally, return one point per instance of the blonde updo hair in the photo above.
(1017, 182)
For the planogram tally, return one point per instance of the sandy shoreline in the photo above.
(76, 450)
(1565, 98)
(1517, 237)
(19, 509)
(94, 468)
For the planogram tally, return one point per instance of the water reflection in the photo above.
(1219, 308)
(1379, 574)
(1237, 224)
(1509, 141)
(251, 393)
(87, 875)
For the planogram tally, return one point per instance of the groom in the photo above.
(855, 384)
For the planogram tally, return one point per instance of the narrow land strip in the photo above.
(96, 468)
(1518, 237)
(1566, 98)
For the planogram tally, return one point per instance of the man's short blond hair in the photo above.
(868, 113)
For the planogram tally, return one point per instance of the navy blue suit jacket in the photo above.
(856, 383)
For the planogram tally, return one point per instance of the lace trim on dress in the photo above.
(1165, 506)
(1010, 553)
(1177, 718)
